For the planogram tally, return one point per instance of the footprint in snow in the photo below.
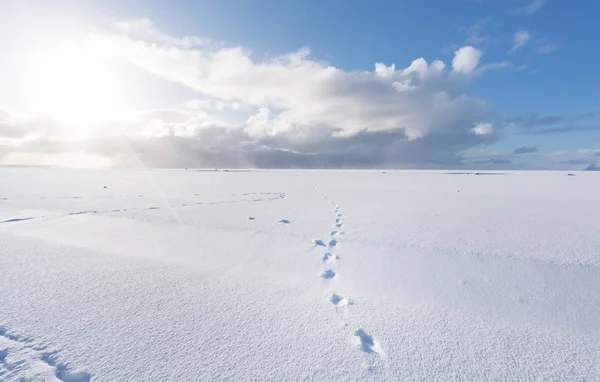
(330, 257)
(22, 359)
(62, 373)
(328, 274)
(251, 218)
(340, 301)
(284, 221)
(338, 220)
(339, 225)
(332, 243)
(333, 233)
(367, 343)
(319, 242)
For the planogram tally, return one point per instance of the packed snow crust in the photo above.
(130, 275)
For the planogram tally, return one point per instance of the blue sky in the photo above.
(535, 71)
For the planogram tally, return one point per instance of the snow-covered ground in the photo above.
(121, 275)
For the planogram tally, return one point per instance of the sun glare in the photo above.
(73, 87)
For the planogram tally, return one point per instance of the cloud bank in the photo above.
(289, 110)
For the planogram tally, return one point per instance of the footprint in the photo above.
(251, 218)
(330, 257)
(367, 343)
(61, 371)
(340, 301)
(28, 362)
(339, 225)
(338, 220)
(332, 243)
(328, 274)
(319, 242)
(284, 221)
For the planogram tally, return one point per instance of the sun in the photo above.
(73, 86)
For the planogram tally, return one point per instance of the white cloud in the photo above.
(483, 129)
(547, 48)
(297, 111)
(308, 91)
(534, 6)
(473, 32)
(520, 39)
(383, 70)
(466, 59)
(145, 29)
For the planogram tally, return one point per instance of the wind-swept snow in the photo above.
(118, 275)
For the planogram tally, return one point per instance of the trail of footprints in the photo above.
(269, 197)
(366, 342)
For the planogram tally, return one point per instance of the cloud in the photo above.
(577, 161)
(520, 39)
(597, 154)
(289, 110)
(493, 161)
(567, 129)
(14, 125)
(536, 160)
(419, 99)
(526, 150)
(238, 147)
(547, 48)
(483, 129)
(145, 30)
(498, 66)
(474, 33)
(592, 167)
(533, 119)
(466, 59)
(528, 120)
(534, 6)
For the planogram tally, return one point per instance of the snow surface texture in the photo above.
(121, 275)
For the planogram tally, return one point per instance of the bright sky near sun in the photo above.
(428, 84)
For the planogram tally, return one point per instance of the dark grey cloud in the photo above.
(592, 167)
(597, 154)
(305, 147)
(493, 161)
(526, 150)
(566, 129)
(577, 161)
